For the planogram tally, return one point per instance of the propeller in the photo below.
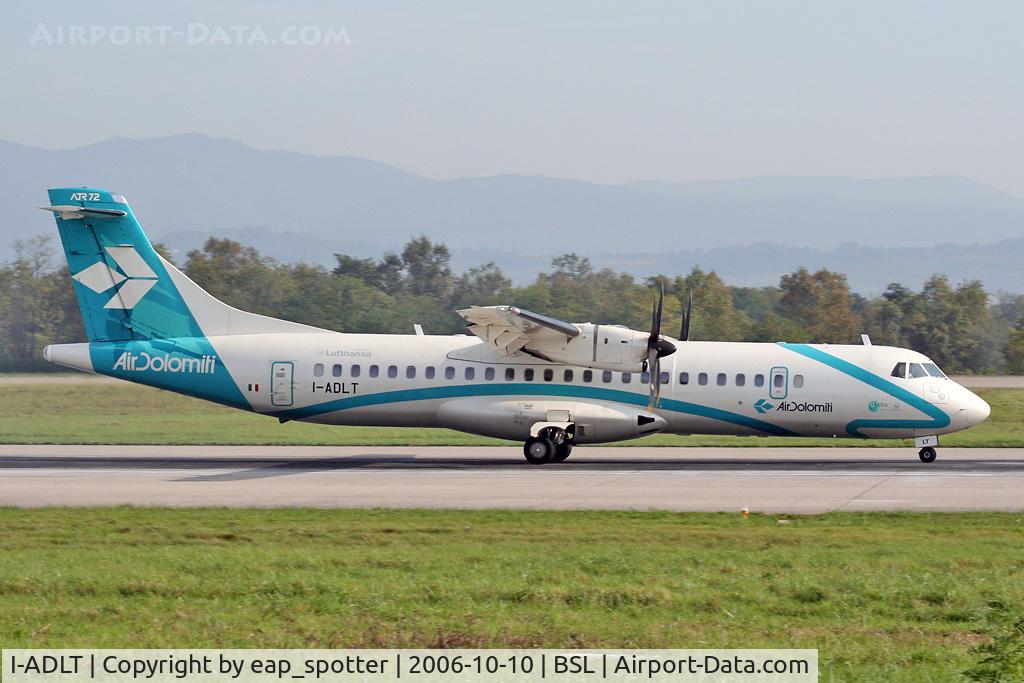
(684, 331)
(656, 348)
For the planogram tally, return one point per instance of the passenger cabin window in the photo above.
(410, 372)
(627, 377)
(645, 377)
(798, 381)
(664, 377)
(510, 374)
(741, 379)
(470, 372)
(429, 372)
(606, 376)
(489, 373)
(567, 376)
(449, 373)
(588, 375)
(916, 371)
(702, 379)
(933, 370)
(779, 380)
(374, 371)
(336, 370)
(899, 371)
(549, 374)
(528, 374)
(684, 378)
(392, 371)
(356, 369)
(758, 380)
(721, 379)
(318, 370)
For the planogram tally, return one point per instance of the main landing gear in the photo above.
(550, 445)
(927, 454)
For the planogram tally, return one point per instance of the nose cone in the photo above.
(977, 409)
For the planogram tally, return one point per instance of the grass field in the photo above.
(131, 414)
(893, 597)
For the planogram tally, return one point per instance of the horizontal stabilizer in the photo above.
(70, 212)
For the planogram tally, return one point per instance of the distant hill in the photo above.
(189, 186)
(938, 189)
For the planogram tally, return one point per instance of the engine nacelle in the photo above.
(507, 418)
(606, 347)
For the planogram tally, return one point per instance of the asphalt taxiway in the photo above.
(793, 480)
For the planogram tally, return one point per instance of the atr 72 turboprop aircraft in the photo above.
(519, 375)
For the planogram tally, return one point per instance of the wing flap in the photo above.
(509, 329)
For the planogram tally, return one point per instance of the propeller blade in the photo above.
(655, 394)
(656, 314)
(684, 332)
(656, 348)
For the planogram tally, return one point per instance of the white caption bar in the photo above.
(380, 666)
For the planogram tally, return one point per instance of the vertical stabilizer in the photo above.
(123, 289)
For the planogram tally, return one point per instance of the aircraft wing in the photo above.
(509, 329)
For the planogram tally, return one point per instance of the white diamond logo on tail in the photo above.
(138, 278)
(99, 277)
(131, 293)
(130, 262)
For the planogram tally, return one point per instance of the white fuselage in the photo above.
(461, 383)
(148, 322)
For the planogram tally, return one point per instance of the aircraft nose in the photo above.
(978, 409)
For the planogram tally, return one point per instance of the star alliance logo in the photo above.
(135, 278)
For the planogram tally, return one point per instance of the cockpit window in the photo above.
(933, 370)
(917, 371)
(900, 370)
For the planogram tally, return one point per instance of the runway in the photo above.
(776, 480)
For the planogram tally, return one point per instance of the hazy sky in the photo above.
(603, 91)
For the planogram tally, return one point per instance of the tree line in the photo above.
(960, 326)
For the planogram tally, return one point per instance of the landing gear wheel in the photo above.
(562, 451)
(539, 450)
(927, 454)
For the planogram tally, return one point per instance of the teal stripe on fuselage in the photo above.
(566, 390)
(939, 418)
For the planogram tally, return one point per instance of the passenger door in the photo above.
(282, 383)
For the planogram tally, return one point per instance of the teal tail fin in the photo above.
(147, 322)
(123, 287)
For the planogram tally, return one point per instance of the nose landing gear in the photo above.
(550, 445)
(927, 445)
